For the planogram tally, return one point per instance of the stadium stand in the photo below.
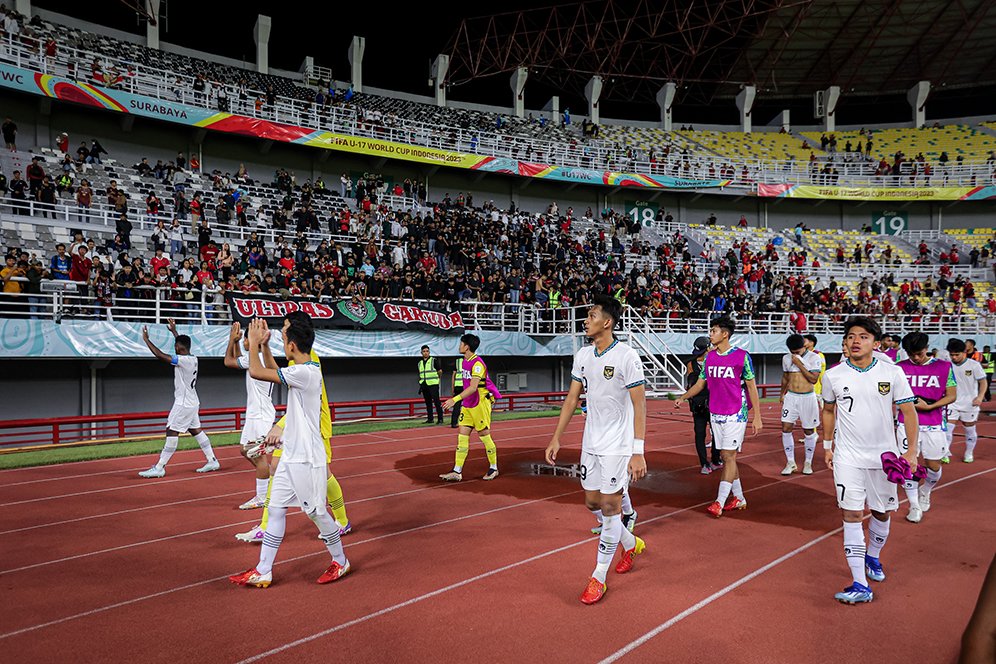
(757, 157)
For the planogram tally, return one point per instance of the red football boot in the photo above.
(593, 592)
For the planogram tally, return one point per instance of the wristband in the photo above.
(827, 444)
(637, 446)
(457, 399)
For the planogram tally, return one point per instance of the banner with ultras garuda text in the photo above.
(355, 314)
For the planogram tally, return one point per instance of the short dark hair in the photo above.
(956, 346)
(886, 336)
(424, 347)
(183, 341)
(969, 341)
(610, 306)
(724, 323)
(865, 323)
(914, 342)
(811, 337)
(301, 330)
(472, 340)
(795, 341)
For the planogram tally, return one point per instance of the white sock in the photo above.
(598, 515)
(274, 535)
(933, 477)
(328, 530)
(911, 487)
(626, 538)
(854, 551)
(810, 443)
(971, 438)
(205, 443)
(738, 490)
(878, 533)
(608, 541)
(950, 433)
(627, 503)
(261, 489)
(789, 446)
(724, 492)
(168, 449)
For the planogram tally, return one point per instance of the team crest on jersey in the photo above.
(968, 372)
(883, 388)
(609, 372)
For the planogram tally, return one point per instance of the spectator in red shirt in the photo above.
(209, 252)
(159, 261)
(204, 274)
(798, 320)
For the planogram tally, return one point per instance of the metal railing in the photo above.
(584, 153)
(35, 434)
(155, 305)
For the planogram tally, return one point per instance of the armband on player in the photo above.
(827, 445)
(637, 446)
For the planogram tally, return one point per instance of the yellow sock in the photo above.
(491, 450)
(336, 502)
(266, 505)
(463, 449)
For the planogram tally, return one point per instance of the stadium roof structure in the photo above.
(712, 48)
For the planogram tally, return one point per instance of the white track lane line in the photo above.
(146, 483)
(484, 575)
(281, 562)
(341, 477)
(719, 594)
(418, 528)
(228, 457)
(207, 530)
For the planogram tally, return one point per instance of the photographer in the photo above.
(699, 406)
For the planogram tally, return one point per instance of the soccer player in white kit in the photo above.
(301, 476)
(611, 374)
(801, 370)
(260, 412)
(183, 416)
(971, 380)
(859, 395)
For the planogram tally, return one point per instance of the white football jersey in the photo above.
(865, 401)
(606, 379)
(185, 381)
(259, 394)
(967, 376)
(303, 442)
(810, 360)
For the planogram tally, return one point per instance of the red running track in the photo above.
(98, 564)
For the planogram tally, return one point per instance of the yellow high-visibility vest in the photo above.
(427, 372)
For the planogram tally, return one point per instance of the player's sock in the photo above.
(598, 515)
(933, 477)
(205, 443)
(328, 530)
(272, 538)
(626, 538)
(265, 520)
(810, 443)
(261, 487)
(878, 533)
(336, 502)
(724, 492)
(491, 450)
(789, 445)
(172, 442)
(912, 489)
(971, 438)
(607, 543)
(738, 490)
(463, 449)
(854, 551)
(627, 502)
(950, 434)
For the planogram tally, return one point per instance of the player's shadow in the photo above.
(672, 483)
